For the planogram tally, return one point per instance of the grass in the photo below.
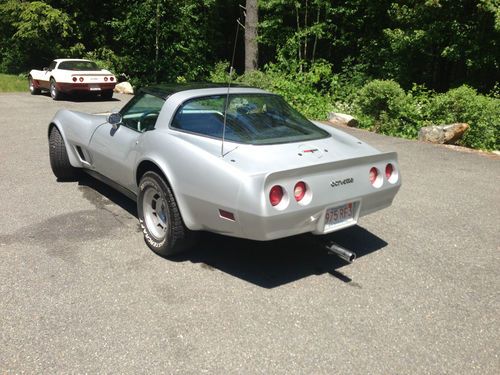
(12, 83)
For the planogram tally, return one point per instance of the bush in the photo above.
(464, 104)
(384, 107)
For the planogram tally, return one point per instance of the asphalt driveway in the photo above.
(81, 292)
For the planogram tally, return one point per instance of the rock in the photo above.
(448, 134)
(124, 88)
(342, 119)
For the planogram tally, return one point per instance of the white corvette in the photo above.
(68, 76)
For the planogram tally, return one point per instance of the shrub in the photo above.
(464, 104)
(384, 107)
(105, 59)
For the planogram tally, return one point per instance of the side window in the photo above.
(202, 116)
(52, 65)
(141, 112)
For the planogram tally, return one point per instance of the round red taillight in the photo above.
(299, 191)
(81, 79)
(111, 79)
(74, 79)
(105, 79)
(389, 169)
(276, 195)
(373, 175)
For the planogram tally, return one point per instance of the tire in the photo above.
(59, 161)
(32, 88)
(107, 94)
(54, 92)
(159, 216)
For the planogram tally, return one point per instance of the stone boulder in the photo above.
(124, 88)
(342, 119)
(448, 134)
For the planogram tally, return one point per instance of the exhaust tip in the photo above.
(341, 252)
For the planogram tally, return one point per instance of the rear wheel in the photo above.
(159, 216)
(54, 92)
(33, 89)
(59, 161)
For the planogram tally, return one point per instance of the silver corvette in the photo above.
(239, 162)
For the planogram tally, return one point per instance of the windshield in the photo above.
(251, 118)
(78, 65)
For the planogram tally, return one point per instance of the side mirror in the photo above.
(115, 119)
(45, 69)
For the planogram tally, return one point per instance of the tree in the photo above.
(251, 46)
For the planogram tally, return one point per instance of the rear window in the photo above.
(251, 118)
(78, 65)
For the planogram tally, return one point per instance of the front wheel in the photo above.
(59, 161)
(33, 89)
(159, 216)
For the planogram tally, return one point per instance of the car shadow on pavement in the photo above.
(274, 263)
(267, 264)
(96, 193)
(82, 98)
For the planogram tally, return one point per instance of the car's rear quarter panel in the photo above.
(204, 183)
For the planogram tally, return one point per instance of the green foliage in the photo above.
(31, 32)
(386, 108)
(105, 58)
(13, 83)
(441, 43)
(464, 104)
(160, 40)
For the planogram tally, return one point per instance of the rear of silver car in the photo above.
(336, 195)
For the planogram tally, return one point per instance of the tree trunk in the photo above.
(251, 47)
(157, 39)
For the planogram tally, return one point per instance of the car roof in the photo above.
(165, 90)
(61, 60)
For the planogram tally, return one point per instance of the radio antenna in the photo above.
(226, 105)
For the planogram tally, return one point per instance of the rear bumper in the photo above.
(85, 87)
(310, 220)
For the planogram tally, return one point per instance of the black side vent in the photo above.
(80, 153)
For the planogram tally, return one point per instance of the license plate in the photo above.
(336, 216)
(95, 89)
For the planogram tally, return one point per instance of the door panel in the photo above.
(114, 153)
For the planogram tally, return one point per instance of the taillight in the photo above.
(373, 175)
(105, 79)
(111, 79)
(299, 191)
(389, 169)
(276, 195)
(391, 173)
(81, 79)
(74, 79)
